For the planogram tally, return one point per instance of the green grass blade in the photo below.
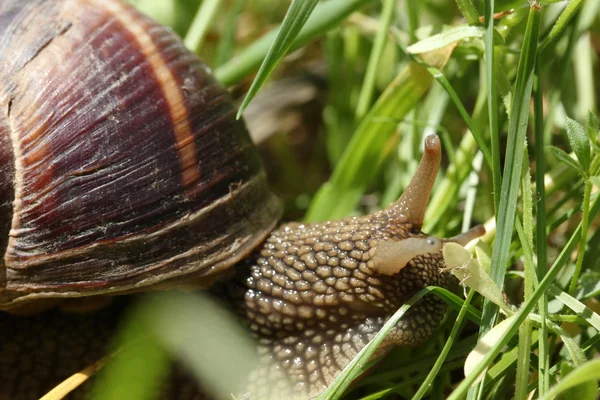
(526, 238)
(368, 87)
(525, 309)
(226, 44)
(467, 8)
(578, 307)
(200, 334)
(204, 17)
(360, 363)
(427, 382)
(514, 160)
(589, 371)
(369, 146)
(326, 16)
(561, 22)
(582, 243)
(439, 76)
(445, 38)
(141, 364)
(294, 20)
(540, 220)
(490, 73)
(356, 366)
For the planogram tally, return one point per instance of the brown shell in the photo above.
(122, 163)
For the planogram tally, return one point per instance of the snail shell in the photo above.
(122, 164)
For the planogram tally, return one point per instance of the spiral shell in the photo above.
(122, 164)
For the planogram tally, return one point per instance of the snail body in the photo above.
(124, 170)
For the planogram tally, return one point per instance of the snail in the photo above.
(124, 170)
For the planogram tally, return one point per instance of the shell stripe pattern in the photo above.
(167, 82)
(127, 154)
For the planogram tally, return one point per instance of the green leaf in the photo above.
(294, 20)
(492, 74)
(589, 371)
(486, 344)
(562, 156)
(585, 390)
(469, 272)
(443, 39)
(579, 142)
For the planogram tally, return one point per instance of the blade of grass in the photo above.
(490, 73)
(514, 161)
(441, 78)
(589, 371)
(369, 146)
(294, 20)
(408, 367)
(356, 366)
(139, 366)
(326, 16)
(525, 309)
(368, 87)
(540, 220)
(449, 36)
(469, 11)
(205, 15)
(530, 280)
(360, 362)
(578, 307)
(575, 352)
(225, 47)
(446, 193)
(194, 329)
(561, 22)
(445, 350)
(585, 220)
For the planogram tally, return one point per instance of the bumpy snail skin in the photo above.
(315, 294)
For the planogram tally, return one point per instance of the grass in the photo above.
(510, 85)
